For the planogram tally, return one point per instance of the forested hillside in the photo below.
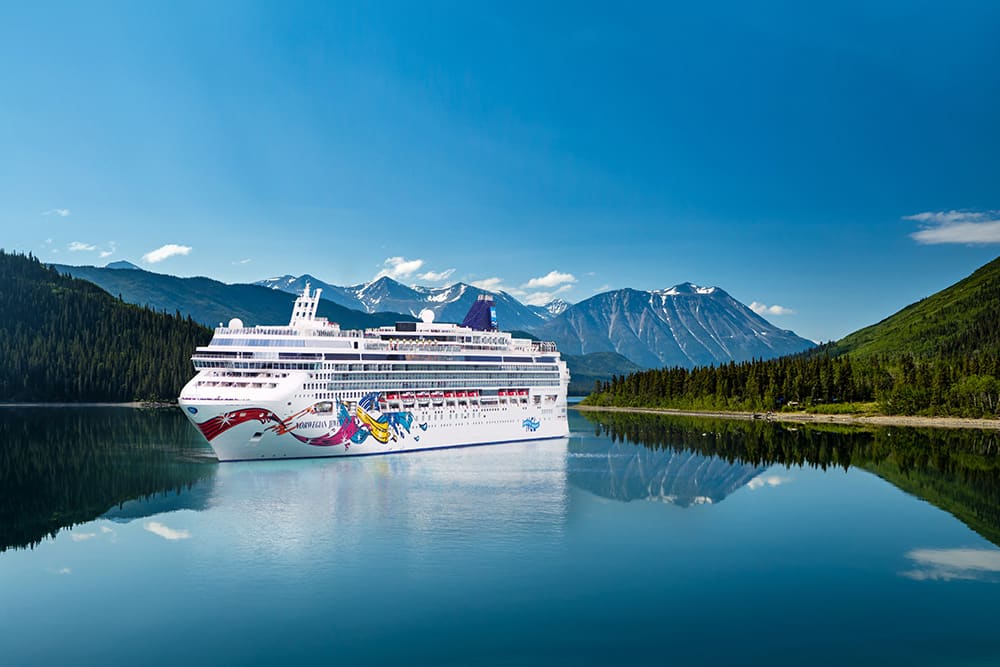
(211, 302)
(938, 356)
(64, 339)
(961, 320)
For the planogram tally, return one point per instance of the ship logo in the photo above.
(531, 424)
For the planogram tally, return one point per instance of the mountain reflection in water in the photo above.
(61, 466)
(957, 470)
(622, 471)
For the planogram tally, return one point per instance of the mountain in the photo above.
(450, 304)
(939, 356)
(552, 309)
(63, 339)
(960, 320)
(211, 302)
(597, 366)
(685, 325)
(122, 264)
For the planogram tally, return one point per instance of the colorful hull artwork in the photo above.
(366, 422)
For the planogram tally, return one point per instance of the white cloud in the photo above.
(603, 288)
(950, 564)
(971, 227)
(436, 276)
(77, 246)
(105, 529)
(166, 533)
(399, 267)
(551, 279)
(489, 284)
(61, 212)
(945, 217)
(242, 261)
(64, 570)
(81, 537)
(763, 309)
(112, 247)
(165, 251)
(767, 480)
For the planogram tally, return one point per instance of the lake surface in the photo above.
(638, 540)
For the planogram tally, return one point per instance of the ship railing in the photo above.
(330, 332)
(416, 347)
(246, 331)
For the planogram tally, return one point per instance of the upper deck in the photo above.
(307, 330)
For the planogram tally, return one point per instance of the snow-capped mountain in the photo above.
(450, 304)
(553, 308)
(624, 471)
(294, 285)
(685, 325)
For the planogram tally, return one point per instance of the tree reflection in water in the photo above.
(61, 466)
(957, 470)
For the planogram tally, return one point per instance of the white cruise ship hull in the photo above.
(310, 390)
(275, 430)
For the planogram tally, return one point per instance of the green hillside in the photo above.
(938, 356)
(962, 319)
(63, 339)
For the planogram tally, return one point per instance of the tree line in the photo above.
(901, 384)
(64, 339)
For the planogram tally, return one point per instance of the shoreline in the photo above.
(130, 404)
(809, 418)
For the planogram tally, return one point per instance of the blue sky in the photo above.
(833, 162)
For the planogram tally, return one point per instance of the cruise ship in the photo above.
(311, 389)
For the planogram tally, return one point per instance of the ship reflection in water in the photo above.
(536, 552)
(334, 503)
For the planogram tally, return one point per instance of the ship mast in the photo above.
(304, 312)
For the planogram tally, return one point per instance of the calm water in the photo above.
(642, 541)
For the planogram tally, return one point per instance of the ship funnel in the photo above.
(483, 314)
